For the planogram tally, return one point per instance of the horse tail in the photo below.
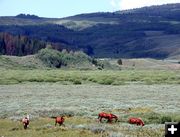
(129, 120)
(98, 117)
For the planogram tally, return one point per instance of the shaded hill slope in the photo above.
(152, 32)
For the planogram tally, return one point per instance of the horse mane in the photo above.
(57, 116)
(114, 115)
(53, 117)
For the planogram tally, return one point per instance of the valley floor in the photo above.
(155, 104)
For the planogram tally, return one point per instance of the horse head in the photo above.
(142, 123)
(114, 116)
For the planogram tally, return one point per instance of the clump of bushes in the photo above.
(106, 81)
(119, 62)
(52, 58)
(77, 82)
(153, 117)
(164, 119)
(99, 64)
(56, 59)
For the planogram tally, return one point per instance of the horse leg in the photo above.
(138, 123)
(116, 120)
(100, 119)
(25, 126)
(55, 124)
(109, 120)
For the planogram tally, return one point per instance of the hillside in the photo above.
(25, 62)
(149, 32)
(49, 58)
(20, 45)
(33, 62)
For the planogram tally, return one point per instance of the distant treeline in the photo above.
(27, 16)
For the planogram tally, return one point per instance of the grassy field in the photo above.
(80, 95)
(104, 77)
(75, 127)
(155, 104)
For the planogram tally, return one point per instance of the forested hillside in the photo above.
(152, 32)
(20, 45)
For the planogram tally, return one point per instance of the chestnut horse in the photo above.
(107, 116)
(60, 120)
(25, 122)
(136, 121)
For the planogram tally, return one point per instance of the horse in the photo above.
(60, 120)
(107, 116)
(136, 121)
(25, 122)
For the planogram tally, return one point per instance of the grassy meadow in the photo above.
(29, 86)
(155, 104)
(104, 77)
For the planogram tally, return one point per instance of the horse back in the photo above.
(59, 119)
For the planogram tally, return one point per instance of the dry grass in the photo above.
(45, 127)
(49, 99)
(40, 128)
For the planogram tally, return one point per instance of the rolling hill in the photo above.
(149, 32)
(49, 58)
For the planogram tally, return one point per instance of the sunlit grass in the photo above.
(99, 77)
(40, 128)
(75, 126)
(81, 105)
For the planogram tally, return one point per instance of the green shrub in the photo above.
(152, 117)
(119, 62)
(95, 62)
(106, 81)
(176, 118)
(165, 119)
(77, 82)
(55, 59)
(50, 57)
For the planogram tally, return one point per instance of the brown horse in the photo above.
(107, 116)
(136, 121)
(25, 122)
(60, 120)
